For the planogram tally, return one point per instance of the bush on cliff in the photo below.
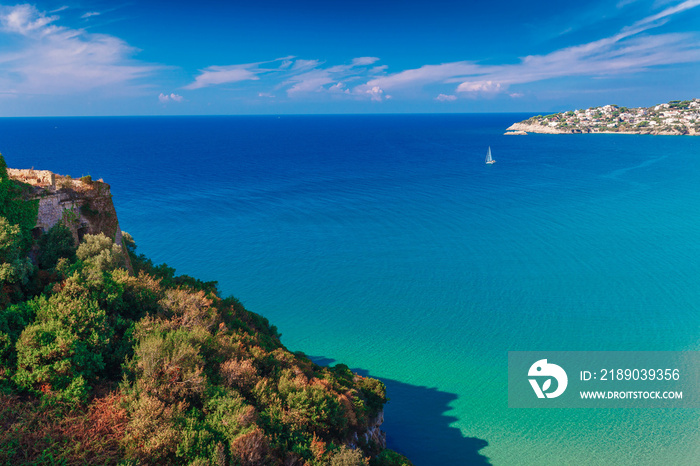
(55, 244)
(15, 207)
(158, 369)
(15, 267)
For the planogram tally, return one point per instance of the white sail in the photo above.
(489, 159)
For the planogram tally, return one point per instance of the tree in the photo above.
(58, 242)
(100, 253)
(16, 207)
(13, 267)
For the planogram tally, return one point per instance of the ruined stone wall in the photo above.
(84, 206)
(33, 177)
(82, 213)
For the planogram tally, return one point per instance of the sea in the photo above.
(385, 242)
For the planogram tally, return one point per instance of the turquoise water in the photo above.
(386, 243)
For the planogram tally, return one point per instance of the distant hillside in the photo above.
(674, 118)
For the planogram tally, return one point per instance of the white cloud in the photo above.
(628, 51)
(214, 75)
(298, 77)
(165, 98)
(89, 14)
(624, 3)
(599, 58)
(311, 81)
(376, 93)
(300, 65)
(486, 87)
(688, 4)
(446, 98)
(426, 74)
(25, 20)
(333, 79)
(52, 59)
(339, 88)
(364, 61)
(631, 50)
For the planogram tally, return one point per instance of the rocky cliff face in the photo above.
(526, 128)
(372, 436)
(84, 206)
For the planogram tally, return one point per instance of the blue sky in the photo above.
(312, 56)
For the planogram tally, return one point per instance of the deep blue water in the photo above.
(386, 243)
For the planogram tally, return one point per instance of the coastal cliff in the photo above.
(108, 358)
(82, 205)
(673, 118)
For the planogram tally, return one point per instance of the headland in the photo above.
(673, 118)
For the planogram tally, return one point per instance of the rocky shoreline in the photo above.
(523, 129)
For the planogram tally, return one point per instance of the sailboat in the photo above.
(489, 159)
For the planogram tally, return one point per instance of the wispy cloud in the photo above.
(297, 77)
(628, 51)
(332, 79)
(47, 57)
(364, 61)
(52, 59)
(26, 20)
(215, 75)
(631, 50)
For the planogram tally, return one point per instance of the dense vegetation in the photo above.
(102, 366)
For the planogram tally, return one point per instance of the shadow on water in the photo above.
(416, 424)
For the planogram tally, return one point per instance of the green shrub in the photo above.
(14, 266)
(374, 393)
(311, 407)
(203, 380)
(197, 443)
(63, 349)
(345, 456)
(13, 320)
(99, 253)
(15, 206)
(153, 431)
(240, 374)
(52, 359)
(56, 243)
(189, 309)
(390, 458)
(169, 366)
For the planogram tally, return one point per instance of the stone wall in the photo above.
(33, 177)
(84, 206)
